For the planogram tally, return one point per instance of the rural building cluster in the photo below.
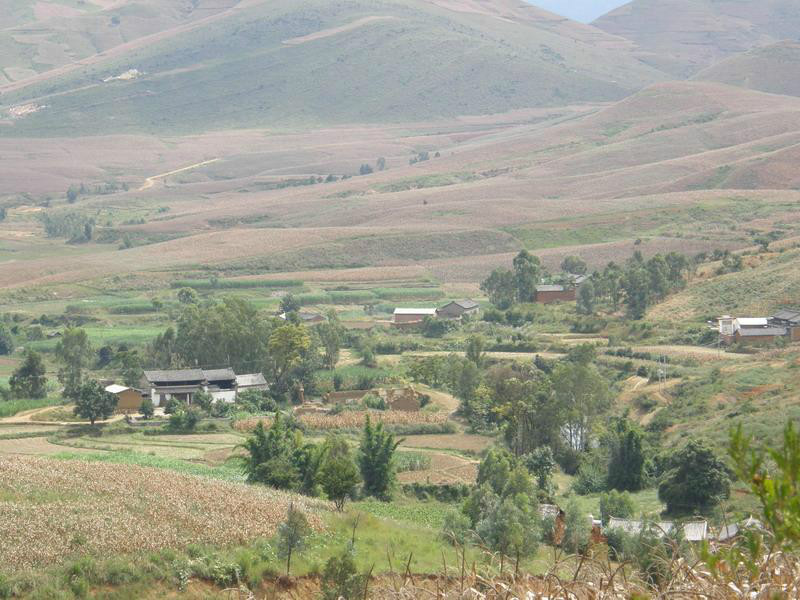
(783, 325)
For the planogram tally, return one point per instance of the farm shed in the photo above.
(306, 317)
(457, 309)
(549, 294)
(693, 531)
(789, 318)
(761, 335)
(406, 316)
(760, 330)
(730, 532)
(251, 381)
(129, 400)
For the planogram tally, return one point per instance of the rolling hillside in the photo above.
(39, 37)
(770, 69)
(284, 63)
(684, 36)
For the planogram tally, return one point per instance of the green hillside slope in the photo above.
(316, 61)
(37, 37)
(685, 36)
(770, 69)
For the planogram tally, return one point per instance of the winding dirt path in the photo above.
(151, 181)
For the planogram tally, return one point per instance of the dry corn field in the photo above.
(53, 510)
(353, 419)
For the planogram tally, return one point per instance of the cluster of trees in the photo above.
(637, 284)
(278, 456)
(533, 405)
(502, 511)
(504, 286)
(234, 333)
(76, 227)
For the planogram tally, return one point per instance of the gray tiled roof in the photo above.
(758, 331)
(174, 376)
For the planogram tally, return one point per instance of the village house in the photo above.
(785, 324)
(693, 531)
(412, 316)
(729, 533)
(129, 400)
(549, 294)
(458, 309)
(182, 384)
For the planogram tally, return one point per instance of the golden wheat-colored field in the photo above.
(53, 510)
(353, 419)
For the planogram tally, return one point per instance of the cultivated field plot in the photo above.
(460, 442)
(444, 469)
(198, 447)
(353, 420)
(53, 511)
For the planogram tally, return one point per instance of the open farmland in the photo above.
(52, 511)
(355, 420)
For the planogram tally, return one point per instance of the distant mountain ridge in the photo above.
(284, 62)
(772, 69)
(683, 37)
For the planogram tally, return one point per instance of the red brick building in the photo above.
(548, 294)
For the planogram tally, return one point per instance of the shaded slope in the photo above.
(772, 69)
(684, 36)
(279, 63)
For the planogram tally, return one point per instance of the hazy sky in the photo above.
(580, 10)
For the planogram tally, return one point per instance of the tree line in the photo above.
(637, 284)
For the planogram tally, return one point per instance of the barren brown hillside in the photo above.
(770, 69)
(677, 166)
(685, 36)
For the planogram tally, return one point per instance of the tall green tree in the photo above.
(272, 455)
(586, 298)
(626, 464)
(331, 336)
(28, 380)
(292, 535)
(511, 527)
(74, 352)
(695, 480)
(93, 402)
(581, 394)
(228, 333)
(636, 283)
(338, 474)
(6, 339)
(574, 265)
(527, 270)
(162, 352)
(475, 350)
(576, 528)
(658, 271)
(500, 287)
(287, 346)
(612, 284)
(376, 460)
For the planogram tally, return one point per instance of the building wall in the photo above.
(551, 297)
(409, 318)
(129, 401)
(756, 340)
(794, 334)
